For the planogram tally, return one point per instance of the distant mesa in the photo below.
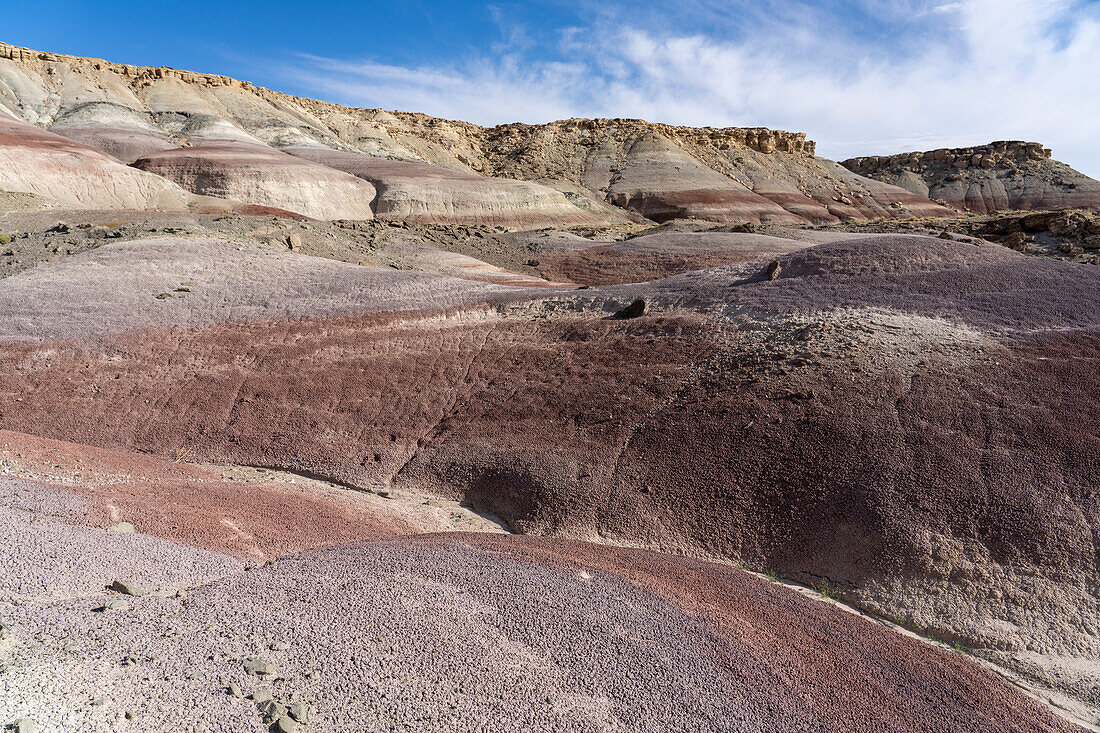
(1001, 176)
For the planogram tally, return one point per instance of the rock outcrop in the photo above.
(257, 174)
(986, 179)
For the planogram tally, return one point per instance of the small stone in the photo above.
(5, 631)
(127, 587)
(271, 710)
(258, 666)
(122, 528)
(99, 702)
(280, 646)
(294, 240)
(774, 270)
(262, 695)
(130, 715)
(234, 689)
(633, 310)
(129, 660)
(24, 725)
(114, 605)
(1016, 241)
(285, 724)
(300, 712)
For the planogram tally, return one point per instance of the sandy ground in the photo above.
(449, 632)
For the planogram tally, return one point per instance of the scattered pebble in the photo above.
(127, 587)
(271, 711)
(285, 724)
(300, 711)
(258, 666)
(114, 605)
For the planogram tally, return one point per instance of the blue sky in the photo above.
(860, 77)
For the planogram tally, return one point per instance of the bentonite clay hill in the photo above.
(326, 419)
(262, 175)
(1001, 176)
(48, 165)
(658, 171)
(882, 418)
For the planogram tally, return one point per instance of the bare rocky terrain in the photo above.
(318, 418)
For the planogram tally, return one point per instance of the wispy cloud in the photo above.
(486, 90)
(860, 77)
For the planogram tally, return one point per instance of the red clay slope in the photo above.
(465, 633)
(195, 505)
(656, 256)
(609, 639)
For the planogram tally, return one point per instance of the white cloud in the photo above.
(959, 73)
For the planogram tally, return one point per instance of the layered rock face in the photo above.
(264, 176)
(1001, 176)
(422, 193)
(48, 165)
(664, 172)
(658, 171)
